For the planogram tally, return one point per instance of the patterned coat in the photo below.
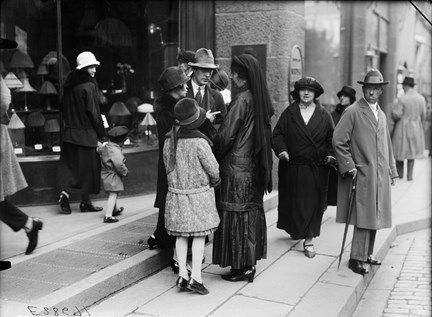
(360, 141)
(190, 202)
(113, 167)
(408, 137)
(11, 176)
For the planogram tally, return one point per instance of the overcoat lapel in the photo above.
(298, 120)
(367, 112)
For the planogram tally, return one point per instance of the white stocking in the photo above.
(198, 245)
(181, 250)
(112, 198)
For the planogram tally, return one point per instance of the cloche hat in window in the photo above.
(172, 77)
(86, 59)
(309, 83)
(204, 59)
(373, 77)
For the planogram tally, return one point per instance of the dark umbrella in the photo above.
(350, 208)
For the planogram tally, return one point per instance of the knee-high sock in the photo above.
(181, 251)
(112, 199)
(198, 245)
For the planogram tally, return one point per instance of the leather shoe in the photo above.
(357, 267)
(372, 261)
(196, 287)
(117, 212)
(309, 250)
(241, 275)
(175, 267)
(89, 207)
(151, 241)
(33, 235)
(110, 219)
(64, 204)
(182, 284)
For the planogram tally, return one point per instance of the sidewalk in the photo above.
(81, 262)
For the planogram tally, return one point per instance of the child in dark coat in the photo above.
(113, 170)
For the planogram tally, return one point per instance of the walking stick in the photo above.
(350, 207)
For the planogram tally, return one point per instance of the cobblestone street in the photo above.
(411, 295)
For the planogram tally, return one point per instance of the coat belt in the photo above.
(189, 191)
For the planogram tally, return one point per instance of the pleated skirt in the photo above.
(79, 169)
(241, 239)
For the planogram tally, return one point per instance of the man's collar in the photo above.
(195, 86)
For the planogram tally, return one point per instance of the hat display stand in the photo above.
(48, 91)
(119, 114)
(13, 83)
(52, 126)
(148, 122)
(16, 132)
(26, 89)
(36, 121)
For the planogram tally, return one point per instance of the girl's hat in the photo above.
(172, 77)
(189, 115)
(118, 133)
(220, 79)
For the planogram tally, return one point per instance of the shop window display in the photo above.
(117, 32)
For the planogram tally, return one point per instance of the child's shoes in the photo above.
(110, 219)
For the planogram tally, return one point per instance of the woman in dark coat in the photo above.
(172, 82)
(302, 139)
(79, 168)
(347, 96)
(243, 149)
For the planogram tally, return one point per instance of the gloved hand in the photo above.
(330, 161)
(283, 156)
(352, 173)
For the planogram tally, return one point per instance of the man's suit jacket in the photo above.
(212, 100)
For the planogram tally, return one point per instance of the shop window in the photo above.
(117, 32)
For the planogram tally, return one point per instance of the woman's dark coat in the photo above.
(303, 180)
(81, 112)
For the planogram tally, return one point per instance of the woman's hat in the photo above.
(86, 59)
(172, 77)
(186, 56)
(118, 133)
(204, 59)
(409, 81)
(220, 79)
(189, 115)
(309, 83)
(373, 77)
(347, 91)
(7, 44)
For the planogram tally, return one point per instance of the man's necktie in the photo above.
(198, 96)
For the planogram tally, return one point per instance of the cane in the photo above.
(350, 208)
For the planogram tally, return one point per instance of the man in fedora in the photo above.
(364, 153)
(409, 115)
(199, 86)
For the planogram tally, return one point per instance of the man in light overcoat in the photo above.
(363, 150)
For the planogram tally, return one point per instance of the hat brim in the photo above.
(374, 84)
(204, 65)
(7, 44)
(87, 65)
(198, 122)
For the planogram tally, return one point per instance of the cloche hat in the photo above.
(118, 133)
(347, 91)
(186, 56)
(86, 59)
(220, 79)
(7, 44)
(373, 77)
(409, 81)
(204, 59)
(172, 77)
(307, 82)
(189, 114)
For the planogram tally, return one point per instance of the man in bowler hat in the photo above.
(199, 86)
(409, 115)
(364, 153)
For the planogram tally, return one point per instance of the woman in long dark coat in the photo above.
(79, 166)
(346, 97)
(243, 149)
(302, 139)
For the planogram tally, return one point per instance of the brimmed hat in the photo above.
(309, 83)
(220, 79)
(86, 59)
(7, 44)
(118, 133)
(409, 81)
(204, 59)
(189, 114)
(172, 77)
(373, 77)
(186, 56)
(347, 91)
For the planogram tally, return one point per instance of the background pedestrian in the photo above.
(409, 115)
(79, 166)
(113, 170)
(302, 141)
(243, 150)
(364, 153)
